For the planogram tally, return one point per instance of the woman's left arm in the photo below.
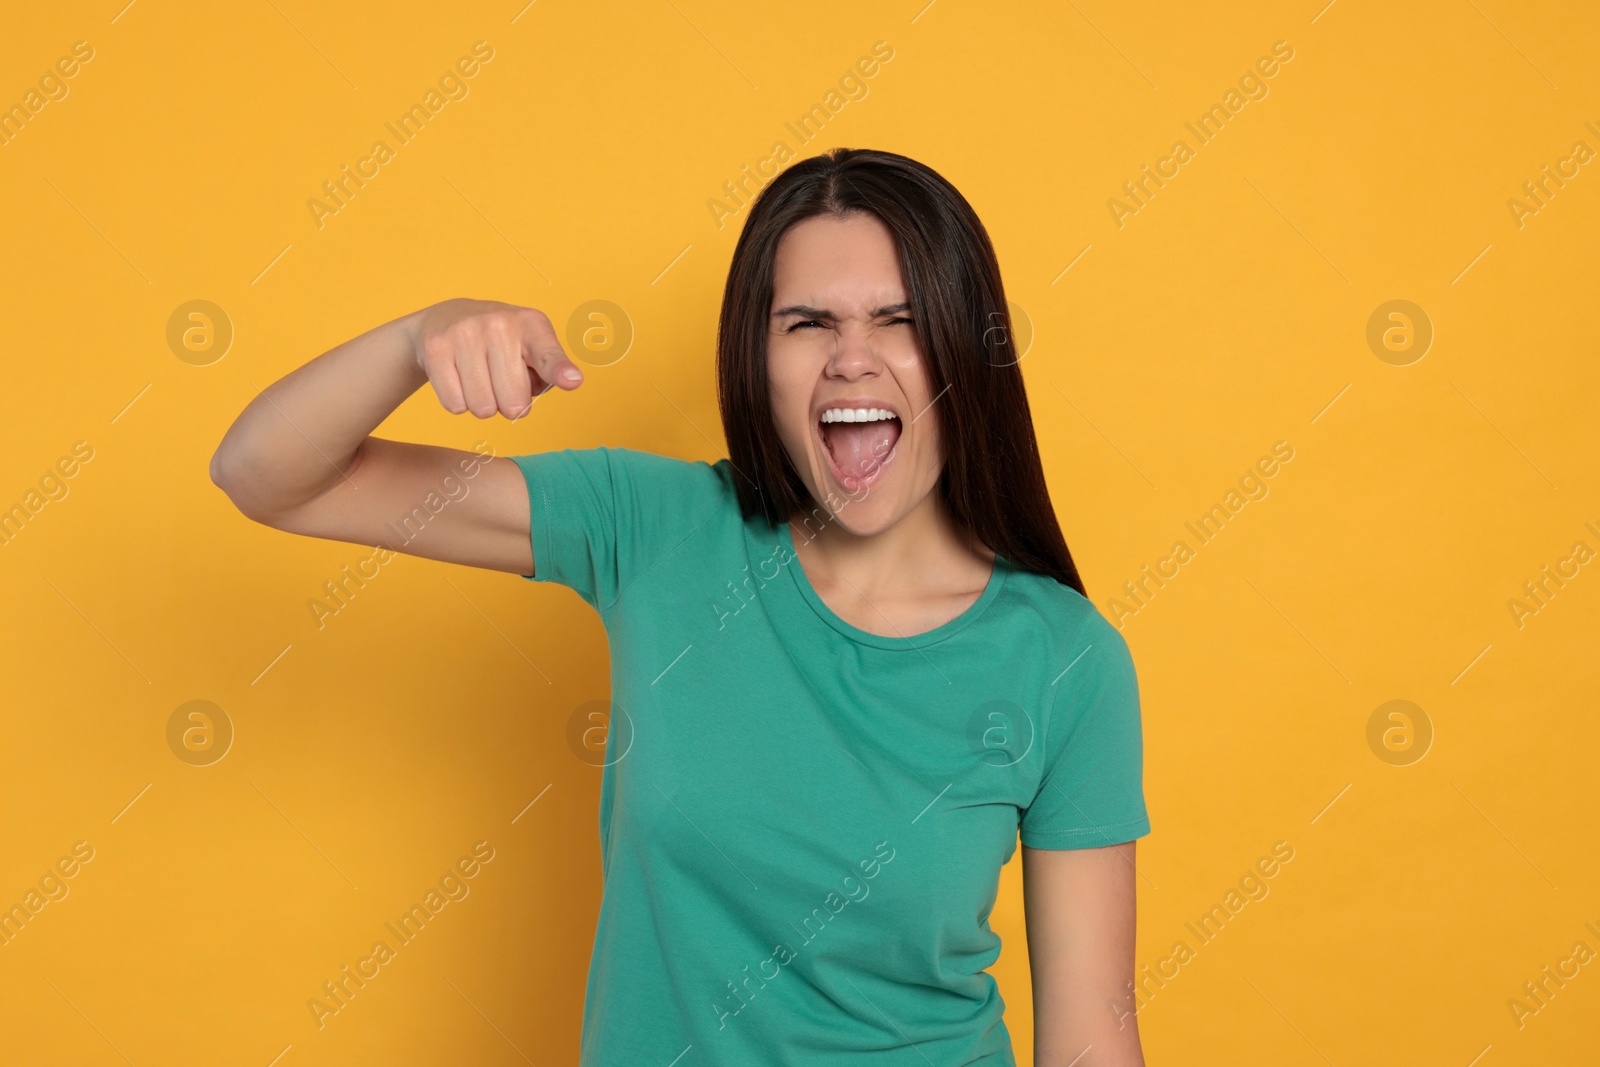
(1079, 909)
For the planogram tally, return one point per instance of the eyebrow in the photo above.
(822, 313)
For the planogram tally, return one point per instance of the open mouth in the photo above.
(858, 452)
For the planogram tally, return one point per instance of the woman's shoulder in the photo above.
(1067, 615)
(647, 494)
(658, 471)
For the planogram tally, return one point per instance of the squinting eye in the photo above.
(814, 322)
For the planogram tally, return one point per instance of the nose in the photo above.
(854, 351)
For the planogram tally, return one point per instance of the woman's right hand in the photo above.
(484, 356)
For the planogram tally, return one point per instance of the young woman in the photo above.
(851, 662)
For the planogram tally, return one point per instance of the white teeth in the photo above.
(856, 415)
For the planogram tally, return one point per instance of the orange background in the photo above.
(1169, 353)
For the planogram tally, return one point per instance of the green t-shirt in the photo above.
(802, 824)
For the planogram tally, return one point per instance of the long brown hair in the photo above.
(992, 482)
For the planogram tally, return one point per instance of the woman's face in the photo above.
(841, 337)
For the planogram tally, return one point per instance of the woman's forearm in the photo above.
(302, 432)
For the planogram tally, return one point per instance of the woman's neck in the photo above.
(923, 556)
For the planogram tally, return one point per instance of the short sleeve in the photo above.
(601, 517)
(1092, 790)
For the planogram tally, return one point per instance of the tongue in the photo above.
(858, 448)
